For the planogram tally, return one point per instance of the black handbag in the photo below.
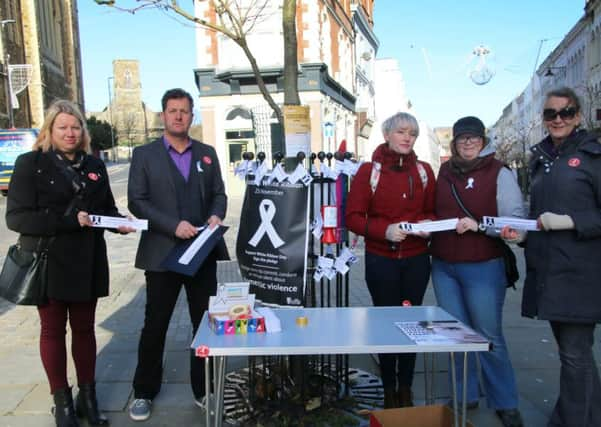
(23, 279)
(512, 273)
(511, 265)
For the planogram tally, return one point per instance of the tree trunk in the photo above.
(290, 53)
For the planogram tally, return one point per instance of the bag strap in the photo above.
(460, 203)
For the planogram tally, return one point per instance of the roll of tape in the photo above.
(238, 310)
(302, 321)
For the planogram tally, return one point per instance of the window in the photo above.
(50, 20)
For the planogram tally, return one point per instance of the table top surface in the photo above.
(340, 330)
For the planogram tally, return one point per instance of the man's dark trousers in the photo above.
(162, 290)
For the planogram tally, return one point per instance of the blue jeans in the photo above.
(474, 293)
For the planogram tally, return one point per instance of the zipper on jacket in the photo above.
(410, 187)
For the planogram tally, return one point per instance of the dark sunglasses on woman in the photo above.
(568, 113)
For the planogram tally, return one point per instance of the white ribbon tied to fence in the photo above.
(267, 212)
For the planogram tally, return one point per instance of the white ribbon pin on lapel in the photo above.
(470, 183)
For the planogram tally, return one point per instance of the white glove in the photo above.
(551, 221)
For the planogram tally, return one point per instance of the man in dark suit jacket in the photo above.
(174, 182)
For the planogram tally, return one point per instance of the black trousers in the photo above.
(579, 401)
(390, 282)
(162, 291)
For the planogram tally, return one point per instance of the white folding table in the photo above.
(340, 330)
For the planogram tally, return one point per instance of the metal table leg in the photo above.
(219, 389)
(464, 401)
(208, 401)
(454, 387)
(464, 391)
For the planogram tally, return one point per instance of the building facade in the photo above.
(235, 116)
(576, 63)
(43, 37)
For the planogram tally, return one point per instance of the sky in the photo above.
(433, 41)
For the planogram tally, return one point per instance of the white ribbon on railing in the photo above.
(266, 212)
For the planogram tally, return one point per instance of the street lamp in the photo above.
(108, 83)
(5, 69)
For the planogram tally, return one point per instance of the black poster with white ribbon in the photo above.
(272, 241)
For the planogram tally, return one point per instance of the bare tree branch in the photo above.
(235, 22)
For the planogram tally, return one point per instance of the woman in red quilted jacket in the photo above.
(394, 187)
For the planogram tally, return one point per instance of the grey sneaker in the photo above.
(140, 409)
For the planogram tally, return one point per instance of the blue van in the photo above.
(13, 143)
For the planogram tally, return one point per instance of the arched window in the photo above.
(238, 112)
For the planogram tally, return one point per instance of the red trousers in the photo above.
(53, 348)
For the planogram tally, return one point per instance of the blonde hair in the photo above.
(44, 139)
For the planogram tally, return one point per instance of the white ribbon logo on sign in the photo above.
(267, 212)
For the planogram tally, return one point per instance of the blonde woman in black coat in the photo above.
(53, 190)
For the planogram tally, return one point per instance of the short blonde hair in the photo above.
(44, 139)
(399, 120)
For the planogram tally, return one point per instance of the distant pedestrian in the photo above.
(174, 182)
(394, 187)
(468, 270)
(563, 281)
(53, 190)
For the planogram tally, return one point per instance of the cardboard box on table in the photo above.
(228, 296)
(417, 416)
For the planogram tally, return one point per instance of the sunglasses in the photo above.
(566, 113)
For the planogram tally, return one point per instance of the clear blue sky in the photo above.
(164, 47)
(446, 30)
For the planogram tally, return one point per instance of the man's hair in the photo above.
(564, 92)
(44, 139)
(176, 94)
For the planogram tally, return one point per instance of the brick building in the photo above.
(235, 116)
(45, 35)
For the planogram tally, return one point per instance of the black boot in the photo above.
(64, 413)
(405, 396)
(390, 398)
(87, 406)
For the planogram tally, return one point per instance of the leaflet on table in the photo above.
(512, 222)
(439, 332)
(102, 221)
(429, 226)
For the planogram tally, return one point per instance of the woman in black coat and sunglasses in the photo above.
(563, 281)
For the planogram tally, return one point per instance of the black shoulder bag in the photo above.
(512, 273)
(23, 279)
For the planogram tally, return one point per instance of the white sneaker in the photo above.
(140, 409)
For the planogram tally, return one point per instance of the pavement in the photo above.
(24, 393)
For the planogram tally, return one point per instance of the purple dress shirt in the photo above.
(181, 160)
